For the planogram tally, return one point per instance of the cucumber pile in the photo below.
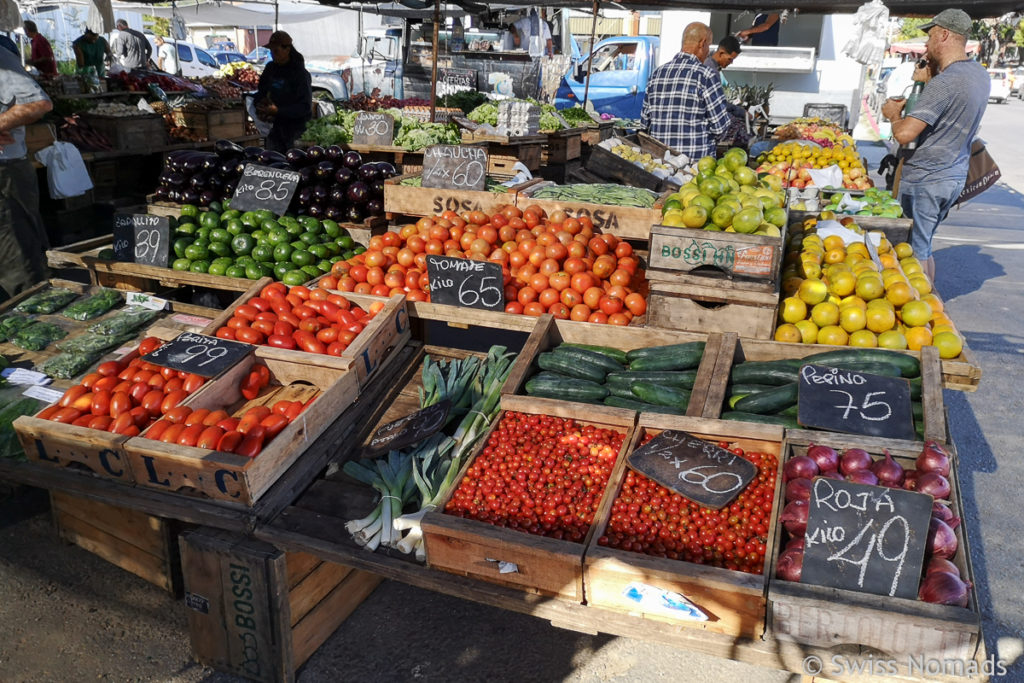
(766, 391)
(653, 379)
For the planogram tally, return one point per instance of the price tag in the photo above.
(41, 393)
(411, 428)
(373, 128)
(854, 402)
(25, 377)
(873, 251)
(199, 354)
(865, 538)
(696, 469)
(154, 303)
(455, 80)
(464, 282)
(142, 238)
(455, 167)
(262, 187)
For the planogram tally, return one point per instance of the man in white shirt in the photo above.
(533, 34)
(166, 56)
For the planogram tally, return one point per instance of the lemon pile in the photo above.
(642, 159)
(844, 156)
(835, 294)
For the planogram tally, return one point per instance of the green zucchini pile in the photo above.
(766, 391)
(653, 379)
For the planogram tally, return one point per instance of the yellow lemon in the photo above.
(892, 339)
(788, 333)
(793, 309)
(812, 291)
(949, 344)
(864, 339)
(808, 330)
(833, 334)
(916, 313)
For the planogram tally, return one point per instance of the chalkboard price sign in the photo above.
(411, 428)
(465, 282)
(199, 354)
(262, 187)
(142, 238)
(854, 402)
(373, 128)
(865, 538)
(696, 469)
(455, 80)
(455, 167)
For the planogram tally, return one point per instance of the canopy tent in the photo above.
(239, 14)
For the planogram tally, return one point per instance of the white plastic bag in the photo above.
(65, 171)
(867, 44)
(262, 127)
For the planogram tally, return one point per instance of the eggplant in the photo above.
(358, 192)
(189, 196)
(305, 195)
(161, 192)
(240, 167)
(226, 168)
(368, 172)
(282, 165)
(192, 164)
(320, 193)
(206, 196)
(227, 148)
(198, 181)
(315, 210)
(377, 189)
(252, 153)
(210, 161)
(176, 180)
(343, 176)
(316, 153)
(324, 170)
(307, 175)
(228, 191)
(387, 169)
(297, 157)
(215, 181)
(174, 195)
(354, 214)
(352, 159)
(269, 156)
(375, 207)
(334, 212)
(334, 153)
(337, 195)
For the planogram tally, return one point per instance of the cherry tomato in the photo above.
(230, 441)
(109, 368)
(172, 399)
(215, 417)
(210, 438)
(172, 433)
(149, 345)
(274, 424)
(120, 403)
(190, 435)
(157, 429)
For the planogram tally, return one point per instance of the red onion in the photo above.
(888, 471)
(933, 459)
(942, 588)
(794, 517)
(854, 459)
(825, 457)
(942, 512)
(934, 484)
(795, 544)
(798, 489)
(862, 477)
(831, 475)
(937, 564)
(790, 565)
(800, 466)
(910, 480)
(941, 538)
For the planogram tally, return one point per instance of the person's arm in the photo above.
(24, 114)
(760, 28)
(904, 128)
(718, 113)
(79, 57)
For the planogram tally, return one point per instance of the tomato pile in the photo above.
(313, 320)
(539, 474)
(649, 518)
(216, 430)
(552, 264)
(124, 397)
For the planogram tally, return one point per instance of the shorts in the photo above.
(928, 204)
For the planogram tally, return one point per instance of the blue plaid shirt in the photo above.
(685, 106)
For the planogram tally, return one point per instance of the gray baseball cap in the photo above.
(955, 20)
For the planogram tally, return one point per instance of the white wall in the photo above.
(672, 24)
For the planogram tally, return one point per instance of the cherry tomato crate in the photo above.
(536, 564)
(837, 619)
(733, 601)
(234, 479)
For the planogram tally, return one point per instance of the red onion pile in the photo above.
(941, 582)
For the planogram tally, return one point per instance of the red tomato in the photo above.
(264, 327)
(190, 435)
(281, 341)
(251, 445)
(100, 403)
(309, 343)
(284, 329)
(248, 335)
(172, 433)
(274, 424)
(122, 423)
(209, 438)
(120, 403)
(105, 383)
(83, 420)
(157, 381)
(138, 391)
(274, 291)
(281, 407)
(172, 399)
(259, 303)
(139, 416)
(83, 403)
(197, 417)
(90, 379)
(252, 418)
(123, 386)
(246, 311)
(267, 315)
(294, 410)
(111, 367)
(71, 395)
(158, 429)
(48, 413)
(250, 386)
(178, 414)
(215, 417)
(230, 441)
(100, 422)
(168, 373)
(229, 424)
(127, 373)
(328, 335)
(192, 382)
(263, 372)
(142, 376)
(149, 345)
(336, 348)
(310, 325)
(174, 384)
(225, 333)
(303, 311)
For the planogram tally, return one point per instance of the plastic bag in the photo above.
(869, 39)
(65, 171)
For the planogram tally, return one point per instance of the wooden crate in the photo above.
(596, 132)
(130, 134)
(564, 145)
(214, 124)
(142, 544)
(408, 200)
(625, 222)
(734, 601)
(550, 332)
(38, 136)
(541, 565)
(233, 479)
(684, 250)
(259, 612)
(836, 618)
(608, 165)
(708, 305)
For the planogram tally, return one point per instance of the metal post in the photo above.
(433, 68)
(590, 55)
(277, 9)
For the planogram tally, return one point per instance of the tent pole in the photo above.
(433, 68)
(276, 11)
(590, 56)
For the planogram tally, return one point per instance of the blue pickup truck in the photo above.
(620, 68)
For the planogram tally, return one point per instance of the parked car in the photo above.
(260, 55)
(228, 57)
(1017, 81)
(193, 60)
(999, 89)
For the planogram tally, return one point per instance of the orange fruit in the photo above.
(788, 332)
(899, 293)
(918, 337)
(842, 283)
(864, 339)
(892, 339)
(824, 314)
(916, 313)
(833, 334)
(880, 319)
(808, 330)
(853, 318)
(869, 288)
(793, 309)
(949, 344)
(813, 291)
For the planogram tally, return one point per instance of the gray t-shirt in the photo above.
(16, 87)
(131, 49)
(952, 105)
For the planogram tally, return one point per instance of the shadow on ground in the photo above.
(972, 268)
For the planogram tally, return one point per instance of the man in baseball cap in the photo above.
(955, 20)
(285, 94)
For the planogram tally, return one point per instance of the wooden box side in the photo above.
(388, 331)
(734, 254)
(671, 310)
(427, 201)
(64, 445)
(625, 222)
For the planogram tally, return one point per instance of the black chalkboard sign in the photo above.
(411, 428)
(199, 354)
(455, 167)
(865, 538)
(373, 128)
(694, 468)
(465, 282)
(455, 80)
(262, 187)
(142, 238)
(854, 402)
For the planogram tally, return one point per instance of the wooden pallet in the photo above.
(733, 601)
(408, 200)
(259, 612)
(835, 619)
(712, 306)
(142, 544)
(684, 250)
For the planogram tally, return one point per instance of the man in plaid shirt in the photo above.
(685, 105)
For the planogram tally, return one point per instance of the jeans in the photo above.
(927, 204)
(284, 134)
(23, 240)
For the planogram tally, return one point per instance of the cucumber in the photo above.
(767, 402)
(566, 389)
(917, 410)
(870, 367)
(587, 356)
(569, 367)
(638, 406)
(615, 354)
(747, 388)
(684, 379)
(915, 388)
(909, 366)
(788, 422)
(790, 411)
(621, 390)
(688, 354)
(661, 395)
(765, 372)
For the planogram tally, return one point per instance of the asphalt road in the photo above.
(66, 615)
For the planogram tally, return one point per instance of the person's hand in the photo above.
(923, 74)
(743, 35)
(6, 138)
(893, 109)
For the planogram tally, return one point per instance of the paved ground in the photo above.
(66, 615)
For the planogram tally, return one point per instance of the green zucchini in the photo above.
(869, 367)
(785, 421)
(790, 411)
(767, 402)
(915, 388)
(917, 409)
(622, 390)
(765, 372)
(587, 356)
(688, 354)
(615, 354)
(684, 379)
(566, 389)
(661, 395)
(747, 388)
(566, 366)
(909, 366)
(638, 406)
